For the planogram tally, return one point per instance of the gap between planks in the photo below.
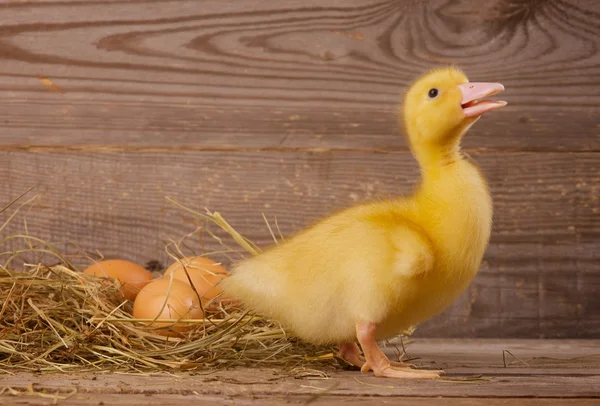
(231, 148)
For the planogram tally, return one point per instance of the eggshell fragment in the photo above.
(181, 303)
(205, 275)
(132, 276)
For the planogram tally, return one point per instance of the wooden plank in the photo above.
(541, 271)
(513, 304)
(207, 400)
(514, 381)
(289, 74)
(498, 357)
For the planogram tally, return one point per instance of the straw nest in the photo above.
(55, 318)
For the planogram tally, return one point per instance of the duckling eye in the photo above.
(433, 93)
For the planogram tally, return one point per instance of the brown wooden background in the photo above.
(288, 107)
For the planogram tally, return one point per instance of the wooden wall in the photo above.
(288, 108)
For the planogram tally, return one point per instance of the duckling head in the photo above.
(440, 107)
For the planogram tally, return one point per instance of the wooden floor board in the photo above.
(204, 400)
(475, 375)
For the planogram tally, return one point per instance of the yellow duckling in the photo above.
(371, 271)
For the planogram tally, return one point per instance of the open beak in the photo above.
(472, 95)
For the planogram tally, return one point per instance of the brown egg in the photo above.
(204, 273)
(132, 276)
(181, 303)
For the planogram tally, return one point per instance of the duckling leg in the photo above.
(350, 353)
(379, 363)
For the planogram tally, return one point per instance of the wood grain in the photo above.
(540, 273)
(210, 400)
(514, 383)
(289, 74)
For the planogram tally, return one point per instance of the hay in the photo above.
(54, 318)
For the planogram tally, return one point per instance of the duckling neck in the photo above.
(452, 181)
(432, 160)
(455, 206)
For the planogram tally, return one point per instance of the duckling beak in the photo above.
(473, 92)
